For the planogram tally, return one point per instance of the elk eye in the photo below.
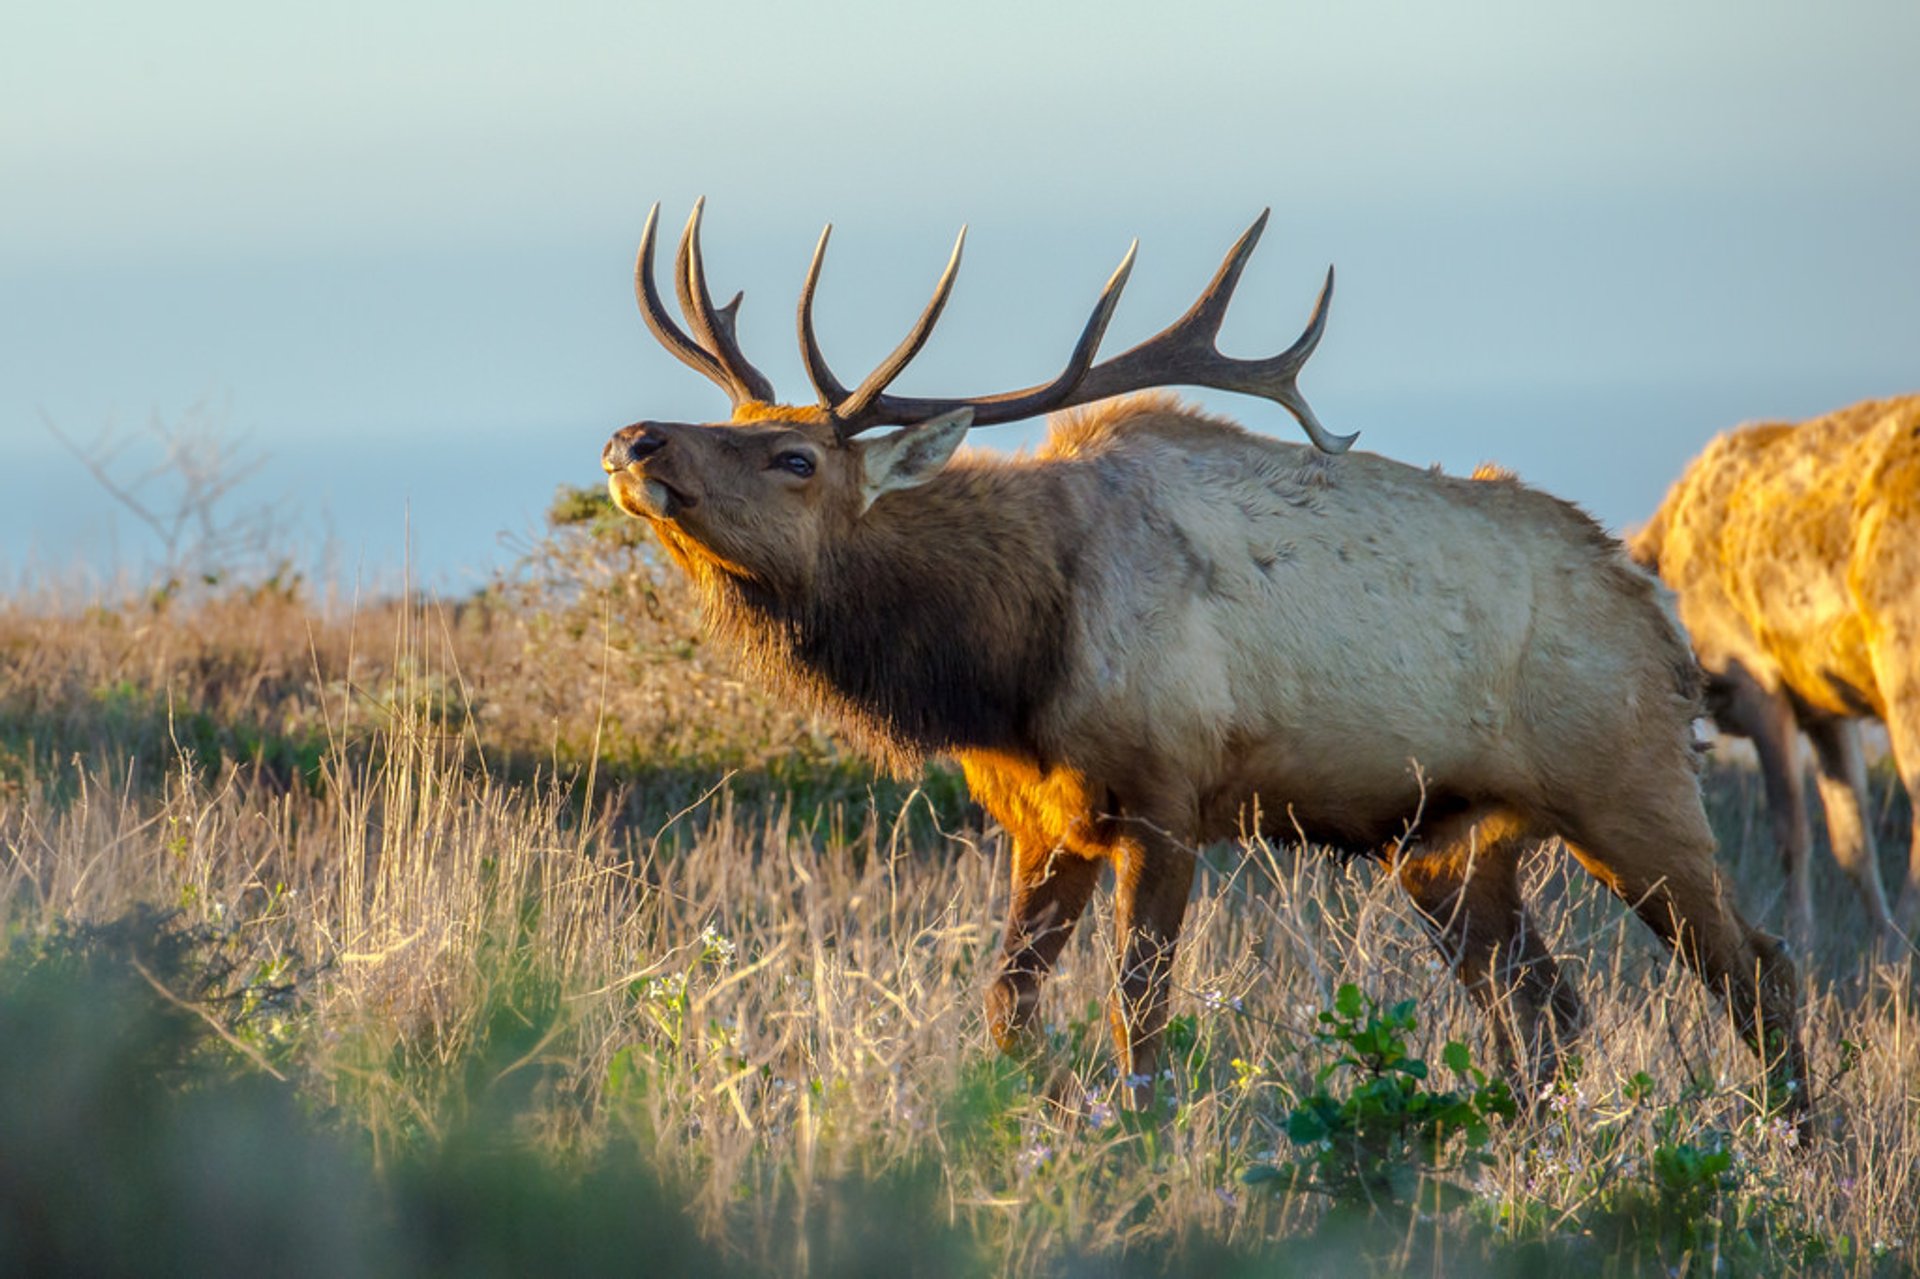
(795, 462)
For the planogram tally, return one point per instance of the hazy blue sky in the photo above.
(394, 239)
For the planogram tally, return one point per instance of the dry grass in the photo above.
(538, 861)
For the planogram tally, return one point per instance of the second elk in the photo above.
(1795, 552)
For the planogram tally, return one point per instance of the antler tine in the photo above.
(682, 347)
(1011, 406)
(714, 326)
(855, 406)
(832, 390)
(1191, 336)
(1184, 353)
(1296, 356)
(1209, 311)
(1057, 392)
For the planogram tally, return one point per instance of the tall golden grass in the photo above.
(537, 860)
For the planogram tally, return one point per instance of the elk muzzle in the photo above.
(633, 491)
(628, 445)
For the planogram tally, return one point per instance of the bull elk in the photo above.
(1795, 553)
(1162, 623)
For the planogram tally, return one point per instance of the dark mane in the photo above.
(935, 626)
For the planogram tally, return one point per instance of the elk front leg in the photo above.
(1050, 890)
(1152, 875)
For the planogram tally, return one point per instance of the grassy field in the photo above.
(514, 934)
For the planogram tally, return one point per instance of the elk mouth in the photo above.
(647, 496)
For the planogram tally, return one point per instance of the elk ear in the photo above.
(911, 455)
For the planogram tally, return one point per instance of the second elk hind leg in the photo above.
(1843, 792)
(1465, 884)
(1741, 705)
(1898, 660)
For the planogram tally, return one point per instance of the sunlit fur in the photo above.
(1162, 630)
(1795, 552)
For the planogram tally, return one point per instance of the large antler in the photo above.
(713, 351)
(1182, 354)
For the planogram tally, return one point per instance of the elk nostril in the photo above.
(624, 449)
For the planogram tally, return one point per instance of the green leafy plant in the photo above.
(1391, 1133)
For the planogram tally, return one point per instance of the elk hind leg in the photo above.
(1843, 792)
(1465, 886)
(1885, 579)
(1664, 870)
(1899, 674)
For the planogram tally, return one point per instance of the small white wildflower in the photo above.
(672, 986)
(717, 946)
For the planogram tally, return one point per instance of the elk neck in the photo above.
(933, 624)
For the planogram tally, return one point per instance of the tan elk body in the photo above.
(1795, 553)
(1160, 625)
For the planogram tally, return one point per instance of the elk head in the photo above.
(759, 497)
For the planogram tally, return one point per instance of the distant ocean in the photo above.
(455, 506)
